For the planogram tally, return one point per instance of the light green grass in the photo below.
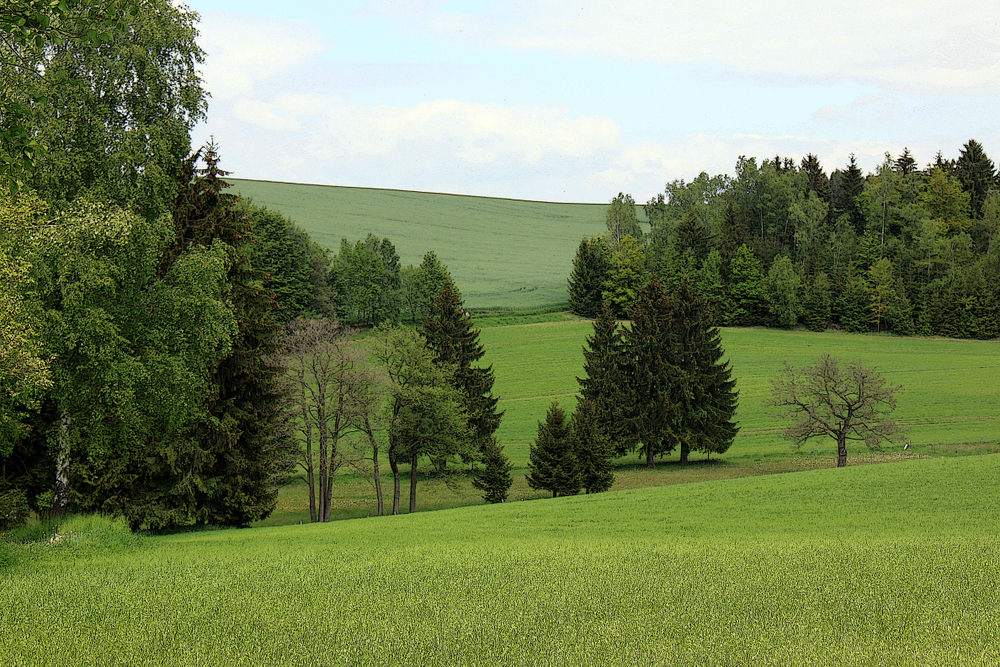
(503, 253)
(874, 565)
(949, 390)
(950, 402)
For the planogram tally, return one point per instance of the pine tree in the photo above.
(694, 239)
(977, 174)
(552, 463)
(855, 307)
(605, 380)
(494, 480)
(652, 372)
(817, 303)
(450, 336)
(816, 178)
(593, 448)
(905, 164)
(682, 392)
(590, 271)
(705, 400)
(852, 184)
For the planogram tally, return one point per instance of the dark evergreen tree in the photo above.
(818, 303)
(693, 241)
(852, 184)
(977, 174)
(590, 272)
(454, 342)
(592, 445)
(494, 479)
(605, 380)
(705, 399)
(854, 308)
(552, 464)
(652, 372)
(816, 179)
(905, 164)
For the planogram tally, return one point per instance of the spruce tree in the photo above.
(652, 372)
(494, 480)
(905, 164)
(593, 448)
(977, 174)
(852, 184)
(452, 339)
(817, 303)
(705, 398)
(552, 463)
(605, 381)
(816, 178)
(586, 281)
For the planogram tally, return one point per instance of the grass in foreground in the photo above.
(888, 565)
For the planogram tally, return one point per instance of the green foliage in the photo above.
(494, 478)
(854, 309)
(622, 221)
(295, 267)
(14, 510)
(977, 174)
(626, 275)
(366, 280)
(783, 292)
(946, 202)
(817, 303)
(127, 91)
(450, 336)
(592, 446)
(589, 274)
(552, 463)
(745, 287)
(605, 375)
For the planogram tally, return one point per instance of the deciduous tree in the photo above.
(843, 403)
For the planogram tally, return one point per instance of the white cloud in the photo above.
(926, 46)
(245, 50)
(468, 132)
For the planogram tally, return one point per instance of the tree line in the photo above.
(902, 249)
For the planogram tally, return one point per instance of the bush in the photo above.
(14, 509)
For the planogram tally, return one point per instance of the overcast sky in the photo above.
(576, 101)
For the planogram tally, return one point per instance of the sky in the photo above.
(578, 101)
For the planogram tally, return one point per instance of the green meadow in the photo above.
(950, 405)
(503, 253)
(867, 565)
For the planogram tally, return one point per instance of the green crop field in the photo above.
(870, 565)
(503, 253)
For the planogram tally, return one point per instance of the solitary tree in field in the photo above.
(849, 403)
(493, 480)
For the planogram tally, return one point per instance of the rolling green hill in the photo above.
(503, 253)
(873, 565)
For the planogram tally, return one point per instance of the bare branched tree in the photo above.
(330, 392)
(849, 403)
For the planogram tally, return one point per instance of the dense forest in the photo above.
(903, 249)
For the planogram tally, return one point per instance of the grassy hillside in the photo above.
(950, 402)
(887, 565)
(503, 253)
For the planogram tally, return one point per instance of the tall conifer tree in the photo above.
(452, 339)
(605, 381)
(586, 281)
(593, 448)
(552, 463)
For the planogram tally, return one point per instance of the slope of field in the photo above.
(503, 253)
(949, 390)
(874, 565)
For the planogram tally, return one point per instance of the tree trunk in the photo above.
(649, 457)
(685, 450)
(60, 498)
(841, 450)
(323, 460)
(310, 472)
(394, 466)
(413, 482)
